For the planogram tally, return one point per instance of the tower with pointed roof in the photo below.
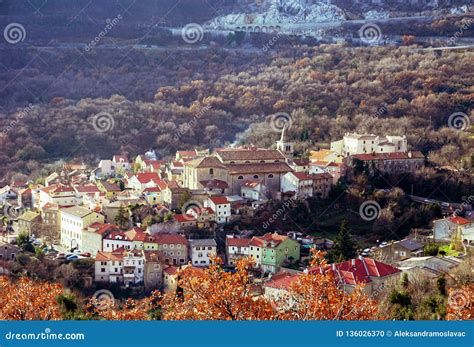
(284, 146)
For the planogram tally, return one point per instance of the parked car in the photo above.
(61, 256)
(86, 254)
(72, 257)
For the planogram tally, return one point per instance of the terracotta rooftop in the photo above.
(170, 239)
(214, 184)
(256, 168)
(206, 162)
(252, 154)
(282, 280)
(219, 200)
(235, 242)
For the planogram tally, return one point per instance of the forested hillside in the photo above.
(328, 90)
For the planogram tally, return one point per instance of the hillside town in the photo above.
(140, 221)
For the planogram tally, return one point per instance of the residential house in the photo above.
(170, 279)
(236, 249)
(63, 196)
(153, 270)
(25, 198)
(445, 229)
(109, 266)
(138, 237)
(174, 171)
(120, 266)
(215, 186)
(173, 194)
(93, 236)
(73, 221)
(337, 170)
(299, 183)
(205, 217)
(374, 274)
(116, 240)
(399, 250)
(8, 252)
(143, 180)
(322, 185)
(133, 267)
(353, 144)
(254, 190)
(300, 165)
(185, 221)
(202, 251)
(50, 215)
(174, 248)
(430, 266)
(221, 207)
(29, 222)
(110, 189)
(278, 250)
(324, 155)
(278, 289)
(120, 163)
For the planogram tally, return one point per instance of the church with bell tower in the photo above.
(284, 146)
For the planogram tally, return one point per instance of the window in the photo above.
(240, 177)
(270, 176)
(211, 171)
(255, 176)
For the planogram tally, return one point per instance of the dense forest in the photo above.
(328, 90)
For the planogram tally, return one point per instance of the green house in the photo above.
(278, 250)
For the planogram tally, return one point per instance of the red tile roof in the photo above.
(282, 280)
(360, 270)
(116, 255)
(235, 242)
(136, 234)
(170, 239)
(152, 190)
(187, 154)
(117, 235)
(145, 177)
(302, 176)
(219, 200)
(459, 220)
(90, 188)
(214, 184)
(171, 270)
(181, 218)
(301, 162)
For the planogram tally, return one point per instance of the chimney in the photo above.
(353, 262)
(409, 154)
(333, 267)
(361, 257)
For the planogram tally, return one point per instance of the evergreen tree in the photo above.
(122, 218)
(344, 245)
